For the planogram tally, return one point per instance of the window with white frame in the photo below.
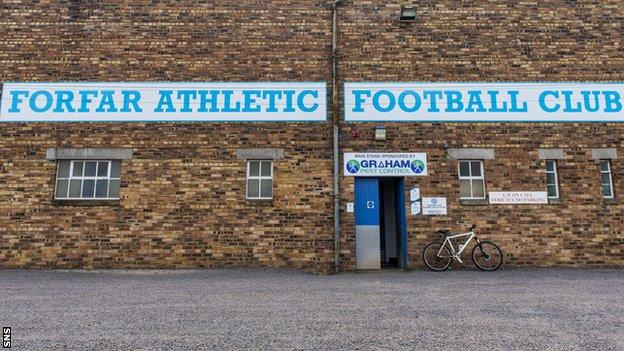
(471, 179)
(552, 179)
(259, 180)
(607, 179)
(88, 180)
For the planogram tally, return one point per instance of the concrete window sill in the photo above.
(554, 201)
(611, 201)
(250, 202)
(474, 202)
(85, 202)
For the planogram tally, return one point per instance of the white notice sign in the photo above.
(518, 197)
(350, 207)
(433, 206)
(415, 207)
(414, 194)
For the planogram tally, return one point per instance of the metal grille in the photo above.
(367, 247)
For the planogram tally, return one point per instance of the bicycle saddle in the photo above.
(444, 231)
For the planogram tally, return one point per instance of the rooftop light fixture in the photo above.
(408, 13)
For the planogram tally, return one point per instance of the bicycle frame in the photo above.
(456, 254)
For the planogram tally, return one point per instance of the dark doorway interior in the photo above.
(390, 221)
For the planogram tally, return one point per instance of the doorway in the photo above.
(390, 229)
(380, 236)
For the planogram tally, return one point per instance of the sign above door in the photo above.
(385, 164)
(484, 102)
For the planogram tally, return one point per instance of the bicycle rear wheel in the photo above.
(487, 256)
(434, 261)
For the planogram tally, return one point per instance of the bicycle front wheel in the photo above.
(487, 256)
(437, 257)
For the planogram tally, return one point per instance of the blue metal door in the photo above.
(367, 246)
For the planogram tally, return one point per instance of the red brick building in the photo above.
(181, 194)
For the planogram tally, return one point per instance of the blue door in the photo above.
(367, 230)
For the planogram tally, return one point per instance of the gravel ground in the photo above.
(259, 309)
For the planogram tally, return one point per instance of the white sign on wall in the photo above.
(518, 197)
(350, 207)
(433, 206)
(415, 207)
(483, 101)
(163, 102)
(414, 194)
(385, 164)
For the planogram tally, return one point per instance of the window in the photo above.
(259, 180)
(607, 181)
(88, 180)
(552, 179)
(471, 180)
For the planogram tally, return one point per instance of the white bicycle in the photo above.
(486, 255)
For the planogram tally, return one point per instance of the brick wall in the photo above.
(183, 193)
(182, 198)
(497, 41)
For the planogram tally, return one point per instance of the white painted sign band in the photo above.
(163, 102)
(484, 102)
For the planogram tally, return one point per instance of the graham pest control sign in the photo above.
(124, 102)
(487, 102)
(385, 164)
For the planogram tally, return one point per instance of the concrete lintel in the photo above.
(550, 154)
(469, 153)
(604, 153)
(89, 154)
(260, 154)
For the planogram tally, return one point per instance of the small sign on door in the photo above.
(370, 204)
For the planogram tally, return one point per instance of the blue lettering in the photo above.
(587, 103)
(289, 100)
(359, 100)
(474, 99)
(107, 99)
(227, 102)
(165, 100)
(48, 101)
(377, 102)
(205, 100)
(494, 102)
(272, 95)
(567, 94)
(612, 101)
(301, 101)
(513, 94)
(249, 101)
(131, 97)
(403, 105)
(186, 96)
(542, 101)
(432, 95)
(85, 100)
(64, 97)
(454, 101)
(16, 100)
